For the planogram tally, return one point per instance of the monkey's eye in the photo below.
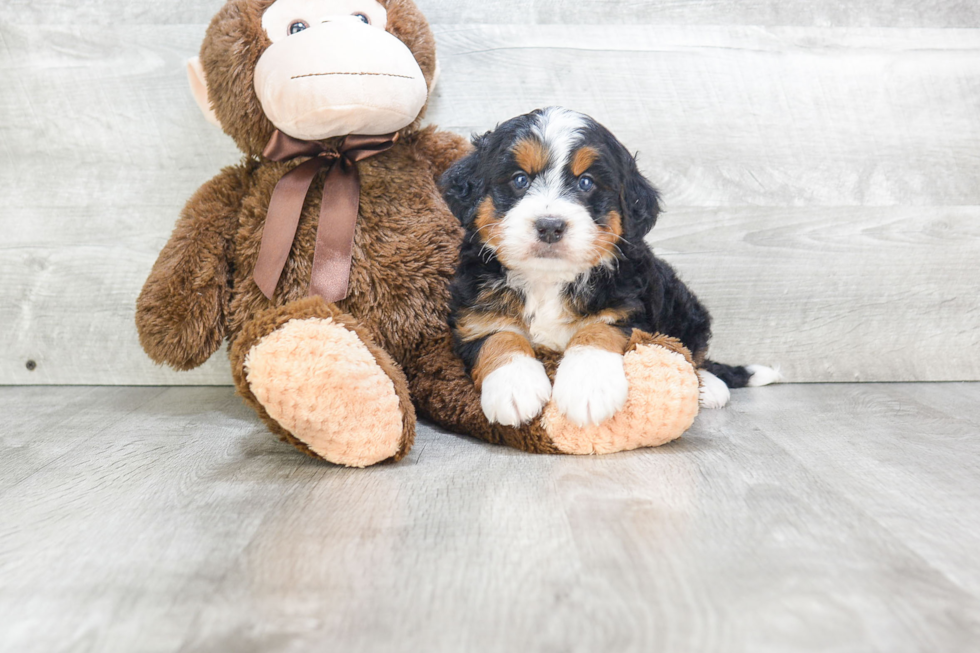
(520, 181)
(586, 183)
(364, 18)
(298, 26)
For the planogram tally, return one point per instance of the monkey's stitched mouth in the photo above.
(353, 74)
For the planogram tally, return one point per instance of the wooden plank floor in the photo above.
(801, 518)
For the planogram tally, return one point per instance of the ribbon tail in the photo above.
(281, 223)
(335, 232)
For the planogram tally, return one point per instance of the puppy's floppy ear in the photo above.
(462, 186)
(640, 202)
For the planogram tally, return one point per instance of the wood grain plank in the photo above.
(850, 294)
(836, 294)
(112, 124)
(804, 517)
(23, 410)
(953, 400)
(820, 183)
(905, 454)
(741, 116)
(150, 467)
(815, 13)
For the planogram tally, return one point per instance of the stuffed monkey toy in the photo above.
(325, 256)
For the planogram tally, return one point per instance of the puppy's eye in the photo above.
(298, 26)
(586, 183)
(364, 18)
(520, 181)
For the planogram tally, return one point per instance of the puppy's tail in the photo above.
(741, 377)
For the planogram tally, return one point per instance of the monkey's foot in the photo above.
(661, 403)
(320, 382)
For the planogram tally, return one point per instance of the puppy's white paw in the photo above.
(714, 392)
(762, 375)
(590, 385)
(515, 393)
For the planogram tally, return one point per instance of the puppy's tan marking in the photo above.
(600, 336)
(614, 223)
(607, 238)
(490, 231)
(501, 301)
(487, 222)
(608, 316)
(531, 155)
(583, 160)
(473, 325)
(498, 350)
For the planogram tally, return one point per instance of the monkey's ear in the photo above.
(199, 87)
(462, 186)
(435, 77)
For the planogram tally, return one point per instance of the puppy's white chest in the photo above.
(549, 322)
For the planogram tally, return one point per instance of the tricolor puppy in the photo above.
(555, 211)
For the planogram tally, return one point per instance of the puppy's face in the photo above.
(551, 192)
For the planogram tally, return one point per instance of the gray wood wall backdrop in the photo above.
(819, 160)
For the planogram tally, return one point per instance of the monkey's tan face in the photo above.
(333, 70)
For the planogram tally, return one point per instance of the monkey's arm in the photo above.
(180, 312)
(441, 149)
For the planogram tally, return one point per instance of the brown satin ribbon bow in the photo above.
(338, 210)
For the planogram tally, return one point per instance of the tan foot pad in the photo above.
(661, 405)
(323, 385)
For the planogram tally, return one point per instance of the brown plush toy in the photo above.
(325, 256)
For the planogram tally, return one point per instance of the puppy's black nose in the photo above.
(550, 230)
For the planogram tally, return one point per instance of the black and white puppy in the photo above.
(555, 211)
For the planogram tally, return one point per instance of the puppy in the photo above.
(555, 212)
